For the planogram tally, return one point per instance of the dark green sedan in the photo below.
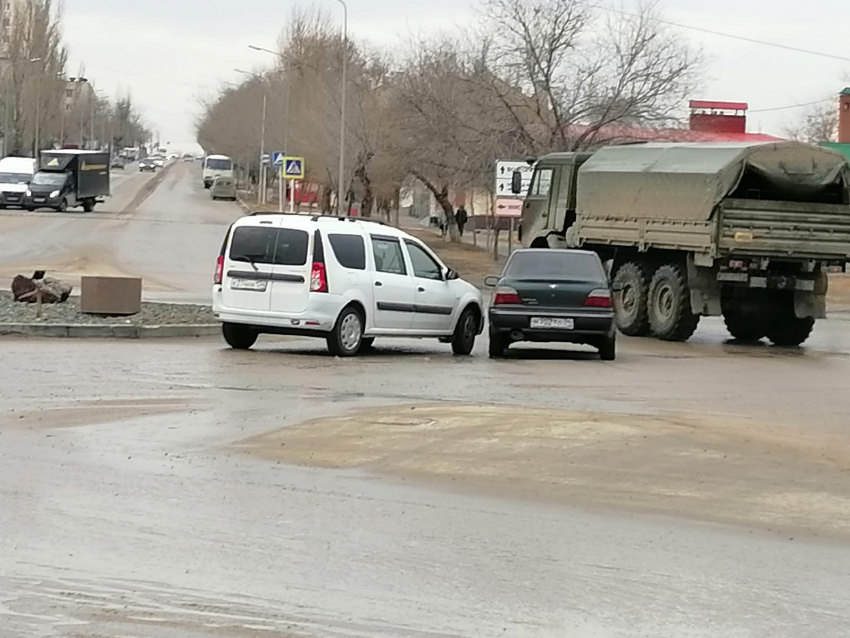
(546, 295)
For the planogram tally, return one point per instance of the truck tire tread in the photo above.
(636, 277)
(669, 286)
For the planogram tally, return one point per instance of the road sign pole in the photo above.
(292, 186)
(281, 191)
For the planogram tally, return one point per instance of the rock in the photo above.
(52, 290)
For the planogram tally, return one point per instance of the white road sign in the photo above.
(508, 207)
(504, 176)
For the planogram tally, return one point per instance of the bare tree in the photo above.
(583, 71)
(818, 123)
(36, 61)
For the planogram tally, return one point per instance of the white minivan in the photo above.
(15, 175)
(216, 166)
(341, 279)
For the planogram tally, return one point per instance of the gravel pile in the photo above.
(152, 314)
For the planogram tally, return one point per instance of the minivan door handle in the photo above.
(379, 283)
(420, 289)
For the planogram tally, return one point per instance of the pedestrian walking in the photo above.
(461, 217)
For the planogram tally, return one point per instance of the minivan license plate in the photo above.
(552, 323)
(255, 285)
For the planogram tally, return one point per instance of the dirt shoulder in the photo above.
(710, 468)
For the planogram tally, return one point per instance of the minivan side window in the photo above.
(424, 265)
(388, 255)
(350, 251)
(280, 247)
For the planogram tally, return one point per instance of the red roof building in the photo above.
(709, 121)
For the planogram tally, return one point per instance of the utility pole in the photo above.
(343, 190)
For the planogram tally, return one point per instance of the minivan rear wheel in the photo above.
(239, 337)
(346, 338)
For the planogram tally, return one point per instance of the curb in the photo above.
(110, 331)
(245, 208)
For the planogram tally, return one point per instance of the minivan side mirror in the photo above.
(491, 282)
(516, 182)
(451, 274)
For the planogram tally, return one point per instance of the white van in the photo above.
(343, 280)
(15, 175)
(216, 166)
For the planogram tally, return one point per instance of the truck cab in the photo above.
(550, 204)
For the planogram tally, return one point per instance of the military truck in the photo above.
(748, 231)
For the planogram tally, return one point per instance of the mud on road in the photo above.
(709, 468)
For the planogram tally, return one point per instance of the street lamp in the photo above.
(262, 197)
(342, 194)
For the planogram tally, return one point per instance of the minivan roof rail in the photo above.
(316, 218)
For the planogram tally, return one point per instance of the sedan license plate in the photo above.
(552, 323)
(248, 284)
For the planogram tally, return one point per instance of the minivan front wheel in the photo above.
(346, 338)
(239, 337)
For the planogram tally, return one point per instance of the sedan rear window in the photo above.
(277, 246)
(555, 264)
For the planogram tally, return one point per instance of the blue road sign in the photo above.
(278, 158)
(294, 168)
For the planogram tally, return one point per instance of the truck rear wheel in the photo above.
(670, 314)
(630, 303)
(784, 327)
(88, 205)
(744, 312)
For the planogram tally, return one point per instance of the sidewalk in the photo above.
(477, 238)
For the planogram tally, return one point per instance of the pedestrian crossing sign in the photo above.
(277, 158)
(293, 168)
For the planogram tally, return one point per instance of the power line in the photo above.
(792, 106)
(731, 36)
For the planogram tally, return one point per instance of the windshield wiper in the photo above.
(250, 259)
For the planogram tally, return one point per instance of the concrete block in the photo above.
(118, 296)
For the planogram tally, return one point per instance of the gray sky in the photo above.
(169, 54)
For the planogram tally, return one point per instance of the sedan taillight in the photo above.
(600, 298)
(505, 295)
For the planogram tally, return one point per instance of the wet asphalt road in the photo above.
(132, 505)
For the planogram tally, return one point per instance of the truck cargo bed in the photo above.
(771, 228)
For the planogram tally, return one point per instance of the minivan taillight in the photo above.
(318, 278)
(598, 299)
(219, 270)
(505, 295)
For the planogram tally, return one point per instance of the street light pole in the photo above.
(343, 191)
(262, 171)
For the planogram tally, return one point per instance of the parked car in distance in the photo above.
(147, 164)
(118, 164)
(344, 280)
(223, 188)
(546, 295)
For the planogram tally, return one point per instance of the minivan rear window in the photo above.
(350, 251)
(276, 246)
(555, 264)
